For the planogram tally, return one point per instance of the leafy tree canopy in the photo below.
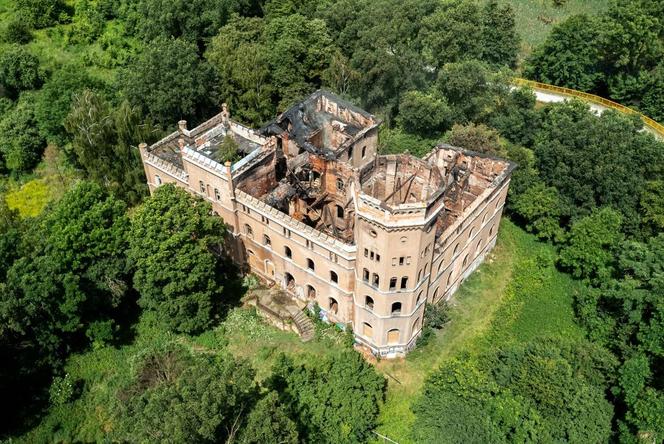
(177, 275)
(332, 400)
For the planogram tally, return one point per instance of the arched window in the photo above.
(267, 241)
(350, 153)
(396, 308)
(217, 194)
(393, 283)
(435, 295)
(248, 231)
(250, 252)
(334, 305)
(470, 235)
(333, 277)
(289, 280)
(288, 252)
(456, 249)
(201, 186)
(404, 282)
(365, 275)
(419, 297)
(340, 184)
(491, 230)
(480, 245)
(376, 280)
(465, 260)
(340, 212)
(484, 218)
(419, 275)
(310, 264)
(369, 302)
(367, 330)
(364, 152)
(157, 179)
(311, 292)
(440, 266)
(393, 336)
(416, 326)
(449, 278)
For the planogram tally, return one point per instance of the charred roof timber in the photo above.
(302, 165)
(323, 124)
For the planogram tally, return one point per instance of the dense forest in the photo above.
(104, 269)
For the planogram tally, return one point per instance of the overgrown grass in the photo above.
(31, 198)
(515, 295)
(536, 18)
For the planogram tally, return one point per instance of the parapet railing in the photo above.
(587, 97)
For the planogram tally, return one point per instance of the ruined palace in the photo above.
(312, 207)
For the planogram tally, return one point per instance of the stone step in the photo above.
(304, 326)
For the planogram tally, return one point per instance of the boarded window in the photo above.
(393, 336)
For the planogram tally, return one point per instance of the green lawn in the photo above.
(535, 18)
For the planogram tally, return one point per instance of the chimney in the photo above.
(181, 144)
(225, 115)
(182, 126)
(142, 147)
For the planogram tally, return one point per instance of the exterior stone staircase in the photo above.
(304, 325)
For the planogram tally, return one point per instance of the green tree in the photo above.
(424, 114)
(652, 100)
(591, 244)
(228, 150)
(244, 75)
(268, 422)
(500, 41)
(177, 396)
(55, 101)
(570, 56)
(479, 138)
(453, 33)
(541, 391)
(17, 31)
(19, 70)
(195, 21)
(632, 45)
(177, 274)
(23, 145)
(335, 399)
(75, 276)
(471, 89)
(41, 13)
(104, 141)
(596, 161)
(169, 82)
(10, 237)
(652, 204)
(540, 207)
(515, 117)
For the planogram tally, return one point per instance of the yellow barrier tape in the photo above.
(652, 124)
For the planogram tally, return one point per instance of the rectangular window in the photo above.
(394, 262)
(377, 257)
(365, 275)
(371, 255)
(393, 283)
(401, 260)
(202, 186)
(217, 195)
(366, 253)
(404, 282)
